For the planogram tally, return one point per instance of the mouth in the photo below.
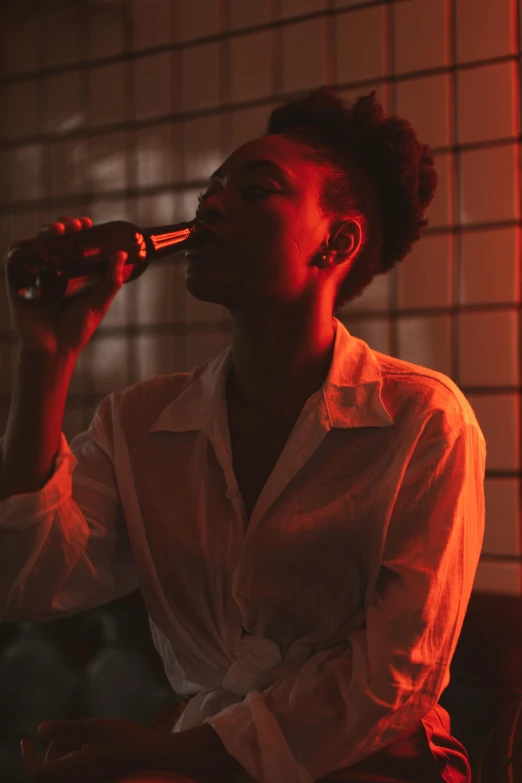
(207, 237)
(203, 250)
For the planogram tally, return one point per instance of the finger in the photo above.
(74, 732)
(86, 222)
(71, 224)
(52, 228)
(90, 763)
(55, 750)
(30, 758)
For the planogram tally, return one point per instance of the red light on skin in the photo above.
(91, 251)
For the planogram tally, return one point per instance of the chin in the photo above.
(208, 291)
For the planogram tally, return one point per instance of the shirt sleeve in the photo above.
(65, 548)
(341, 706)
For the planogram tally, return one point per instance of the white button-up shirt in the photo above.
(319, 630)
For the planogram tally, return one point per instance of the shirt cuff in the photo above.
(19, 512)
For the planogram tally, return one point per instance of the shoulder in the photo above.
(411, 391)
(139, 404)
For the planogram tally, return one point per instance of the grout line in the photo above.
(517, 20)
(277, 21)
(277, 94)
(391, 108)
(455, 201)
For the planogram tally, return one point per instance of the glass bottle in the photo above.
(62, 266)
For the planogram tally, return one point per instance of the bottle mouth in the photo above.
(205, 235)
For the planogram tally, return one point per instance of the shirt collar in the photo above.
(351, 390)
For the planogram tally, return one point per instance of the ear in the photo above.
(346, 239)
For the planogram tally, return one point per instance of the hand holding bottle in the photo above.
(59, 327)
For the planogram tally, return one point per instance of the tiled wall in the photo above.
(121, 109)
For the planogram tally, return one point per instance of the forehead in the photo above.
(288, 153)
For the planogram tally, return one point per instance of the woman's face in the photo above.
(263, 206)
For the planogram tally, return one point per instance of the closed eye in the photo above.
(252, 190)
(259, 188)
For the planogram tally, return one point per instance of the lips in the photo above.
(207, 237)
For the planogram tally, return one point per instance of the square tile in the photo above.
(425, 103)
(502, 533)
(188, 202)
(152, 22)
(374, 332)
(489, 349)
(63, 103)
(106, 99)
(484, 29)
(72, 422)
(360, 50)
(67, 167)
(160, 294)
(490, 267)
(154, 91)
(26, 171)
(300, 73)
(251, 66)
(24, 225)
(420, 35)
(426, 342)
(486, 107)
(382, 93)
(425, 276)
(202, 147)
(104, 209)
(106, 360)
(202, 348)
(498, 578)
(246, 14)
(49, 214)
(158, 154)
(374, 298)
(499, 419)
(248, 124)
(21, 45)
(104, 22)
(296, 7)
(159, 355)
(200, 70)
(59, 35)
(490, 182)
(22, 106)
(159, 209)
(441, 210)
(107, 162)
(196, 19)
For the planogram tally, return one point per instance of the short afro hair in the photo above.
(377, 170)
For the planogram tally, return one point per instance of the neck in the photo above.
(278, 361)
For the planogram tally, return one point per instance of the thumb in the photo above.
(115, 267)
(99, 296)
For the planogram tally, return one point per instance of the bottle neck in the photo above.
(162, 240)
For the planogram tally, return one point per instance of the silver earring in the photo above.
(323, 258)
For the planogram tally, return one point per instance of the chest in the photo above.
(257, 444)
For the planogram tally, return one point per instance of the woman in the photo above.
(303, 515)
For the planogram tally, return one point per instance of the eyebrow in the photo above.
(255, 164)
